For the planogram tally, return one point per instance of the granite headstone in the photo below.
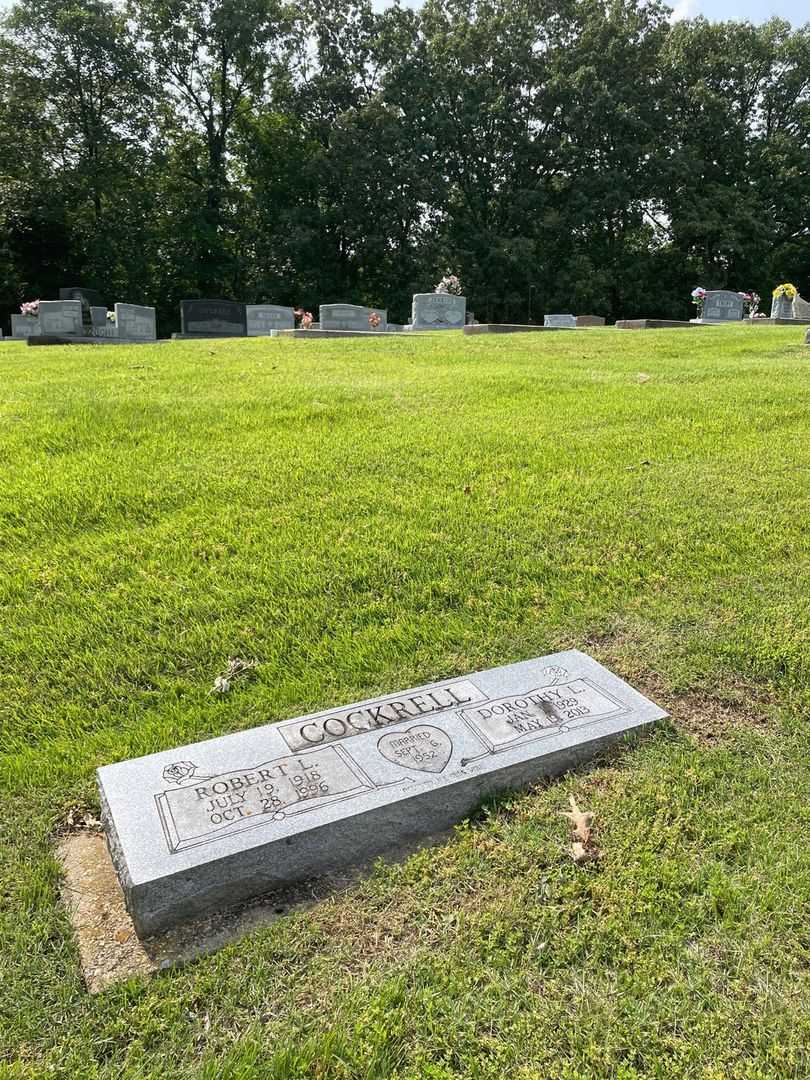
(438, 311)
(205, 826)
(264, 318)
(565, 321)
(350, 317)
(61, 317)
(721, 305)
(25, 326)
(135, 322)
(212, 318)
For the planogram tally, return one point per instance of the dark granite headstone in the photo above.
(91, 297)
(213, 318)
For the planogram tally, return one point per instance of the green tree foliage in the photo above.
(581, 155)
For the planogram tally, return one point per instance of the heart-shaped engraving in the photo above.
(423, 747)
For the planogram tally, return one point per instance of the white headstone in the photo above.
(560, 320)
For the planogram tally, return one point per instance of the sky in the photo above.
(755, 11)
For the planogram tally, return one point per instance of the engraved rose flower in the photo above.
(179, 772)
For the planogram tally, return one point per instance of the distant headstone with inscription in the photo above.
(438, 311)
(566, 321)
(61, 317)
(262, 319)
(721, 305)
(212, 318)
(135, 322)
(351, 317)
(202, 827)
(25, 326)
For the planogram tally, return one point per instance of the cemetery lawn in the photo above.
(363, 517)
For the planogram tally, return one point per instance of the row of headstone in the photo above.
(82, 313)
(226, 318)
(63, 318)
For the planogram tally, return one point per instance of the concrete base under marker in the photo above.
(511, 328)
(655, 324)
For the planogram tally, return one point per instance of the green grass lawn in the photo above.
(362, 517)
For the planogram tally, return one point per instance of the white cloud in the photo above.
(683, 9)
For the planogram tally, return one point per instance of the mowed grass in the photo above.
(361, 517)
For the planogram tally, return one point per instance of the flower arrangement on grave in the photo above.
(374, 320)
(303, 318)
(785, 292)
(698, 298)
(450, 283)
(750, 302)
(30, 307)
(111, 317)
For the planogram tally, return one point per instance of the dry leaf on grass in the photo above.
(235, 670)
(582, 847)
(580, 820)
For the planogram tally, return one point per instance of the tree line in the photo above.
(558, 155)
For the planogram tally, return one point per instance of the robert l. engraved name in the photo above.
(327, 727)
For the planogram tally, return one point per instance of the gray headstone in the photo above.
(263, 318)
(98, 316)
(590, 320)
(60, 317)
(135, 322)
(559, 320)
(438, 311)
(350, 317)
(213, 318)
(204, 826)
(721, 305)
(801, 308)
(25, 326)
(782, 308)
(91, 297)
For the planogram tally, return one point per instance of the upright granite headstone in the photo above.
(801, 308)
(560, 320)
(262, 318)
(98, 317)
(438, 311)
(721, 305)
(25, 326)
(212, 318)
(350, 317)
(199, 828)
(90, 297)
(590, 320)
(135, 322)
(61, 317)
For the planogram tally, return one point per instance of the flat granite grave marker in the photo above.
(212, 318)
(264, 318)
(721, 305)
(202, 827)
